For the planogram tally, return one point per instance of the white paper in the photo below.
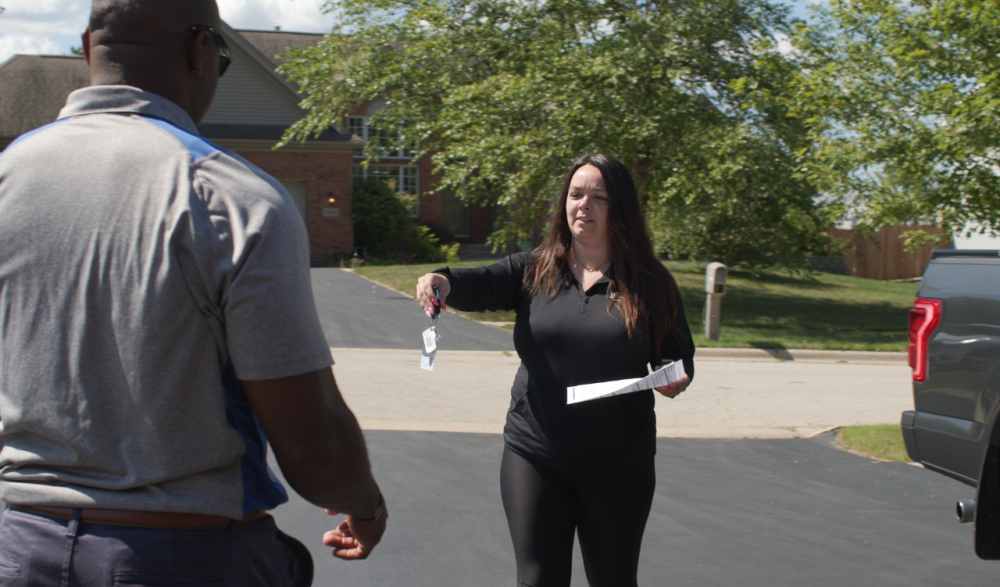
(663, 376)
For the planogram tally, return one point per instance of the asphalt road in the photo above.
(357, 313)
(727, 512)
(746, 513)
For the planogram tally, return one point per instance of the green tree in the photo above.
(505, 93)
(901, 99)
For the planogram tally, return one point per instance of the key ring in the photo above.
(431, 337)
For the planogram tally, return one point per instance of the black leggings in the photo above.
(544, 507)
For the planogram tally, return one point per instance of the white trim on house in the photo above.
(975, 240)
(293, 147)
(359, 127)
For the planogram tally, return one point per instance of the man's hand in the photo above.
(355, 539)
(675, 388)
(316, 441)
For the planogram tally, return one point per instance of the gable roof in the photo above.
(260, 59)
(252, 107)
(33, 89)
(251, 91)
(273, 43)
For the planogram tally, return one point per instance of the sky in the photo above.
(52, 27)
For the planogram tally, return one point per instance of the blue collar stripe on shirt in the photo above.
(198, 146)
(36, 131)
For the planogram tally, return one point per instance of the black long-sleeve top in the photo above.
(569, 340)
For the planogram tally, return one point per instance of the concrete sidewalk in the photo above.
(737, 393)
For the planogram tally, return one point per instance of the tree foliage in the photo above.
(902, 101)
(504, 94)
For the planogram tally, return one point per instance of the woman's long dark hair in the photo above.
(645, 287)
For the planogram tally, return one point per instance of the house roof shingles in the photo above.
(33, 89)
(273, 43)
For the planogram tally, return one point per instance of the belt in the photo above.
(161, 520)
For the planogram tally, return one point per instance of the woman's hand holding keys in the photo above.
(425, 292)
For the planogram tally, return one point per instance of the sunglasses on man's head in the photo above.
(225, 56)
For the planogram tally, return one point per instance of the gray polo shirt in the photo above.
(143, 272)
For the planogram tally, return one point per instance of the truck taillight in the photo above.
(924, 318)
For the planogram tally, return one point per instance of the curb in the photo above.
(801, 356)
(717, 354)
(726, 433)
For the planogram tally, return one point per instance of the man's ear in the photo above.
(85, 37)
(198, 50)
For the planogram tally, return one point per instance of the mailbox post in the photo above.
(715, 287)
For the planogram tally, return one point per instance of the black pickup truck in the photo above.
(954, 351)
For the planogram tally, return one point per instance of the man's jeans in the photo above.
(40, 551)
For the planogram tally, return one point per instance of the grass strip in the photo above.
(877, 441)
(821, 311)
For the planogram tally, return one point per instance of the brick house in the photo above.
(252, 108)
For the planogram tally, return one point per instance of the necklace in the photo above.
(593, 268)
(589, 268)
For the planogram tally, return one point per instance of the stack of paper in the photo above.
(663, 376)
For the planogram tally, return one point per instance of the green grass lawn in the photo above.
(823, 311)
(878, 441)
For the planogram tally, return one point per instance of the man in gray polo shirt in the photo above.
(156, 320)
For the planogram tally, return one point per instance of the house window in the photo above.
(378, 141)
(405, 177)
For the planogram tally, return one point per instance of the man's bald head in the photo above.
(149, 44)
(148, 22)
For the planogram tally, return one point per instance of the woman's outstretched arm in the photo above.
(493, 287)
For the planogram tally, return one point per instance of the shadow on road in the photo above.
(727, 512)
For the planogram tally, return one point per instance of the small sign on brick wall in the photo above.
(331, 212)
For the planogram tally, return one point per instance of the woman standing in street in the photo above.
(593, 304)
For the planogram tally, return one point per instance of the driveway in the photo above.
(469, 391)
(747, 513)
(729, 510)
(375, 333)
(357, 313)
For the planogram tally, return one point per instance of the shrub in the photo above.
(450, 252)
(384, 230)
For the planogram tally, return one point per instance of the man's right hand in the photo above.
(355, 539)
(322, 453)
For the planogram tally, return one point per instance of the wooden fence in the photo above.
(884, 257)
